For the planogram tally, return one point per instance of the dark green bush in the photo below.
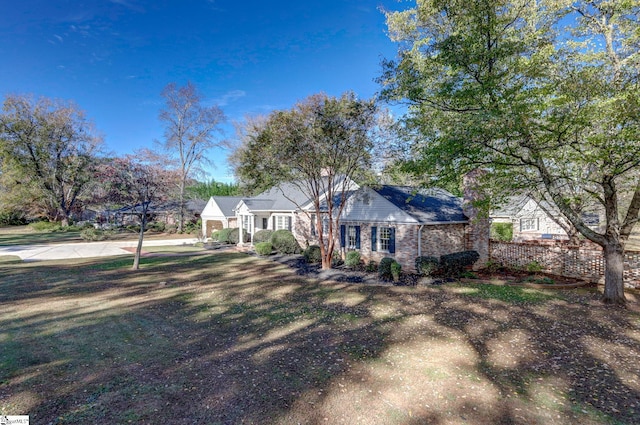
(263, 235)
(502, 231)
(215, 235)
(234, 236)
(372, 266)
(352, 259)
(312, 254)
(456, 263)
(384, 268)
(426, 266)
(192, 226)
(156, 226)
(12, 218)
(284, 242)
(264, 248)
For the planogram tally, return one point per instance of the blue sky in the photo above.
(113, 57)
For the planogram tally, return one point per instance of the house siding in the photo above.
(443, 239)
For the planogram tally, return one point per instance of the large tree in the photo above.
(320, 145)
(190, 133)
(545, 95)
(50, 149)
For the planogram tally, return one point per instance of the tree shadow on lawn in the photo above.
(230, 339)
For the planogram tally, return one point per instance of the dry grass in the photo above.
(227, 338)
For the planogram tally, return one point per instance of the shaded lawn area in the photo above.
(228, 338)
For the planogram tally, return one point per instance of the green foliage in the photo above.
(193, 226)
(456, 263)
(492, 266)
(46, 226)
(224, 235)
(51, 148)
(426, 266)
(207, 189)
(215, 235)
(384, 268)
(533, 267)
(312, 254)
(284, 242)
(396, 268)
(234, 236)
(92, 234)
(262, 235)
(502, 231)
(156, 226)
(546, 107)
(264, 248)
(371, 267)
(352, 259)
(12, 218)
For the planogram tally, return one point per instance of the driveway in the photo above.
(83, 249)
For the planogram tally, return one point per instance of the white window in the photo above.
(283, 222)
(528, 224)
(384, 238)
(352, 237)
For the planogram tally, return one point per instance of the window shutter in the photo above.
(357, 237)
(289, 223)
(374, 238)
(343, 234)
(392, 240)
(273, 222)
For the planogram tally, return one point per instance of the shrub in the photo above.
(284, 242)
(534, 267)
(264, 248)
(91, 234)
(192, 226)
(262, 236)
(426, 266)
(312, 254)
(396, 268)
(46, 226)
(502, 231)
(224, 235)
(234, 236)
(12, 218)
(384, 268)
(454, 264)
(337, 260)
(156, 226)
(352, 259)
(215, 235)
(372, 266)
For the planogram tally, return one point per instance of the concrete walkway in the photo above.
(83, 249)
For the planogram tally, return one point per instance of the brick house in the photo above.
(383, 221)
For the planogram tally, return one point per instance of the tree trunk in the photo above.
(614, 274)
(136, 258)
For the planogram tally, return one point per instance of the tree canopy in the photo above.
(320, 145)
(49, 150)
(542, 94)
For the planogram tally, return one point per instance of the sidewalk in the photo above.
(83, 249)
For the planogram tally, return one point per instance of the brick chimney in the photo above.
(477, 232)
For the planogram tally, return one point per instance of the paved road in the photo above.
(83, 249)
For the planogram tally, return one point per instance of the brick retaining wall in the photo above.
(560, 259)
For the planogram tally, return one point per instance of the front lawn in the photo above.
(228, 338)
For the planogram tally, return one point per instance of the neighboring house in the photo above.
(536, 220)
(386, 221)
(219, 213)
(166, 213)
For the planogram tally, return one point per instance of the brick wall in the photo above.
(559, 258)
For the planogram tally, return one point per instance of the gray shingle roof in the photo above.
(227, 204)
(427, 206)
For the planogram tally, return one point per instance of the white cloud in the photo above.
(229, 97)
